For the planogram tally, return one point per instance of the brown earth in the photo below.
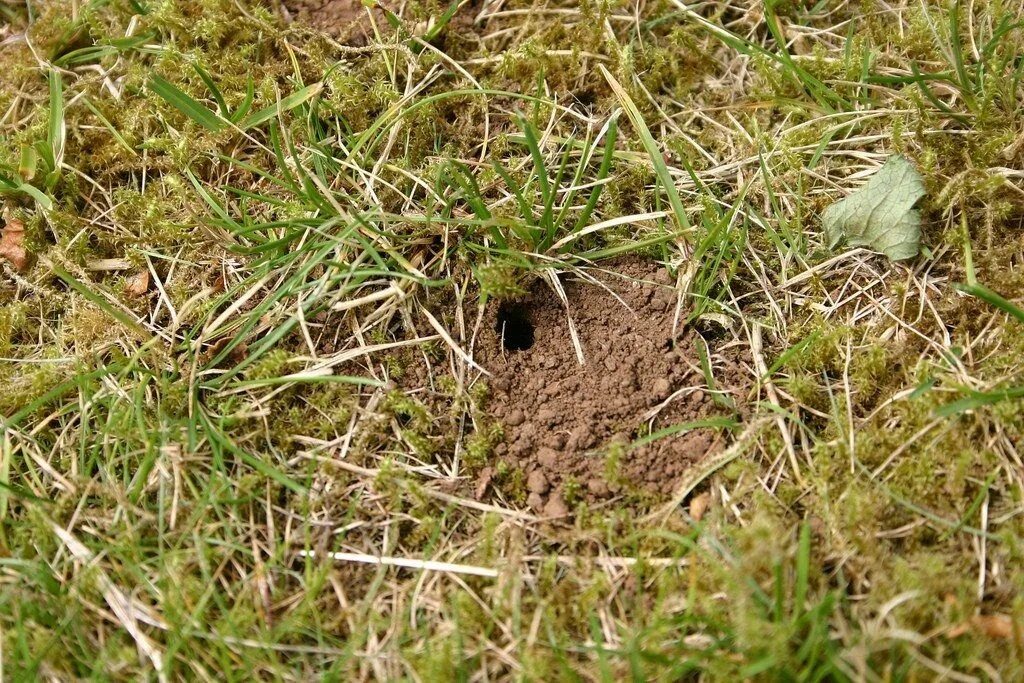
(346, 20)
(566, 424)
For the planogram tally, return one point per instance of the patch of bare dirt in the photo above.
(571, 428)
(346, 20)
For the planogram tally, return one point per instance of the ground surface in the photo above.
(503, 341)
(345, 19)
(571, 428)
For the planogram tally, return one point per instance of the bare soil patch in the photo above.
(346, 20)
(572, 429)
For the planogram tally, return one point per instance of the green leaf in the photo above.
(56, 131)
(10, 185)
(214, 90)
(286, 104)
(979, 399)
(651, 146)
(880, 215)
(178, 99)
(672, 430)
(28, 163)
(38, 195)
(992, 299)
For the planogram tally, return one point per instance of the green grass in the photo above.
(177, 464)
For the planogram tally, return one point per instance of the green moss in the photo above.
(480, 446)
(272, 364)
(27, 384)
(13, 318)
(500, 281)
(821, 344)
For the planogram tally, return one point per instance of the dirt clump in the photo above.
(572, 430)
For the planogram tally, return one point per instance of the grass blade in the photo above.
(653, 151)
(803, 569)
(602, 173)
(185, 104)
(56, 130)
(706, 423)
(214, 90)
(287, 104)
(7, 185)
(979, 399)
(98, 300)
(991, 298)
(28, 163)
(530, 133)
(246, 105)
(109, 126)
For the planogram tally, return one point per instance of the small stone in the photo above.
(661, 388)
(547, 416)
(556, 506)
(515, 418)
(483, 481)
(137, 285)
(536, 482)
(610, 364)
(12, 245)
(667, 297)
(535, 501)
(547, 457)
(557, 441)
(697, 396)
(528, 433)
(699, 505)
(597, 487)
(583, 437)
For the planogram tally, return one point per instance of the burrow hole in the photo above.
(514, 327)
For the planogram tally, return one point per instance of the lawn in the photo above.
(502, 340)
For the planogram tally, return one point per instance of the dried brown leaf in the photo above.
(137, 285)
(995, 626)
(699, 506)
(12, 245)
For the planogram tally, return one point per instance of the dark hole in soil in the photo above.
(514, 327)
(711, 331)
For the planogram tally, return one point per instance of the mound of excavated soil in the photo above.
(571, 425)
